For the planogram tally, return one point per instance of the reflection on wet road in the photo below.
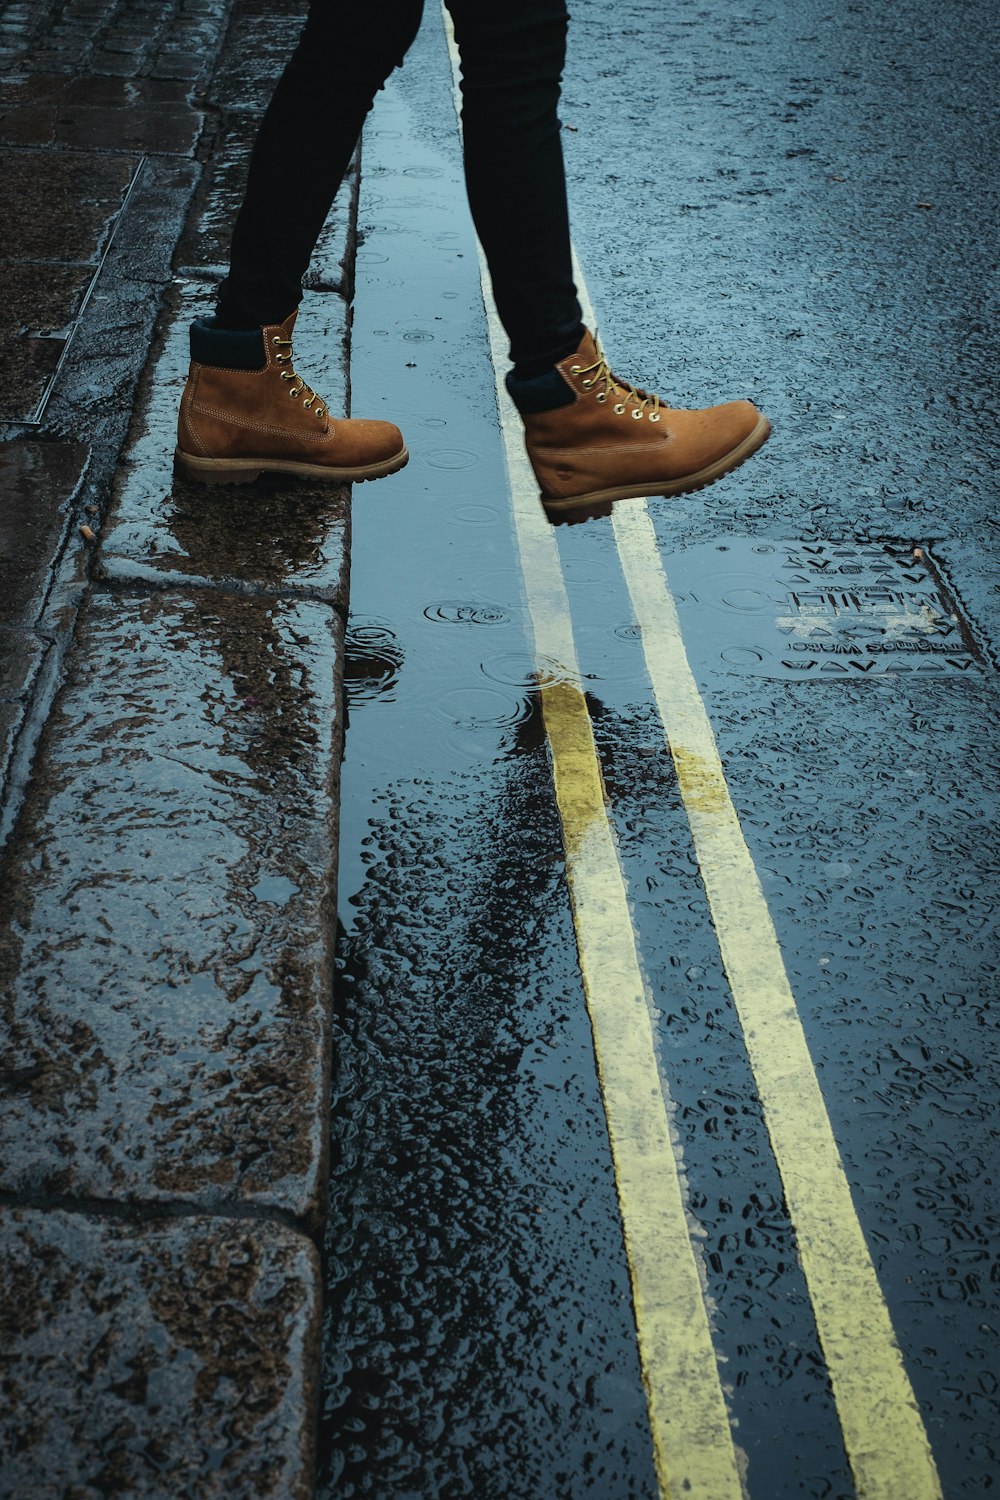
(536, 823)
(480, 1331)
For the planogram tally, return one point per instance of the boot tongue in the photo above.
(554, 388)
(588, 352)
(227, 348)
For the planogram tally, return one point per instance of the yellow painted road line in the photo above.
(884, 1435)
(692, 1440)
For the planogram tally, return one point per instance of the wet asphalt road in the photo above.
(795, 205)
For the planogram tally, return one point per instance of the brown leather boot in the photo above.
(240, 418)
(593, 438)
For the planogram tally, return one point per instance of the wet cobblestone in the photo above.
(168, 897)
(166, 920)
(165, 1359)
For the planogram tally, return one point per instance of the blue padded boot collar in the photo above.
(540, 392)
(227, 348)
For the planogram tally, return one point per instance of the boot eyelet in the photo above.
(293, 392)
(275, 340)
(287, 375)
(601, 396)
(575, 369)
(587, 384)
(619, 411)
(636, 414)
(654, 416)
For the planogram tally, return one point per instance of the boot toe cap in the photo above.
(706, 437)
(372, 440)
(735, 421)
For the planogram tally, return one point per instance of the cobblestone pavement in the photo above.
(168, 875)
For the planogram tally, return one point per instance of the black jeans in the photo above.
(512, 55)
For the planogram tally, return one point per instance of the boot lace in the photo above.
(600, 373)
(289, 374)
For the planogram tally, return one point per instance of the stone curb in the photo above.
(166, 924)
(166, 932)
(112, 1330)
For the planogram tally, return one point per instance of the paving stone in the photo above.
(192, 40)
(41, 303)
(166, 919)
(27, 368)
(96, 388)
(20, 653)
(44, 183)
(94, 92)
(47, 268)
(179, 64)
(277, 534)
(163, 128)
(121, 62)
(167, 1359)
(168, 904)
(105, 53)
(257, 48)
(109, 113)
(38, 482)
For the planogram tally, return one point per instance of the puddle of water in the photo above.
(373, 659)
(476, 1279)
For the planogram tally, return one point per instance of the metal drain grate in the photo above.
(818, 610)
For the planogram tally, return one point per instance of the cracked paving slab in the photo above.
(168, 913)
(190, 1345)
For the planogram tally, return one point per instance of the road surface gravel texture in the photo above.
(307, 1195)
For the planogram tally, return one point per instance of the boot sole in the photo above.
(558, 504)
(245, 470)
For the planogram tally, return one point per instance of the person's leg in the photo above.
(592, 437)
(512, 60)
(245, 410)
(304, 145)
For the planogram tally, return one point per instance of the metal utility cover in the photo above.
(817, 611)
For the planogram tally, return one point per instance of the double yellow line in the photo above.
(695, 1456)
(884, 1436)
